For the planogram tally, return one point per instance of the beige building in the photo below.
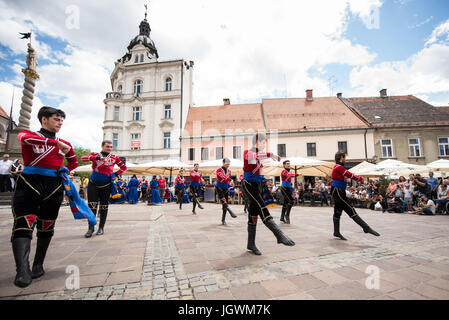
(406, 128)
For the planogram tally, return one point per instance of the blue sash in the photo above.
(195, 184)
(222, 185)
(339, 184)
(252, 177)
(78, 207)
(287, 184)
(96, 176)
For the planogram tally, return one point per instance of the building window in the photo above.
(343, 146)
(168, 84)
(114, 141)
(218, 153)
(204, 153)
(136, 59)
(414, 147)
(443, 145)
(137, 113)
(135, 141)
(167, 114)
(191, 154)
(387, 148)
(281, 150)
(167, 140)
(311, 149)
(141, 58)
(119, 89)
(116, 113)
(237, 152)
(138, 86)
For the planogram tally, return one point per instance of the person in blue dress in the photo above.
(133, 197)
(116, 192)
(155, 196)
(124, 186)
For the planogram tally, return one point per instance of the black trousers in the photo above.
(256, 205)
(179, 194)
(341, 203)
(223, 195)
(36, 201)
(98, 192)
(144, 193)
(194, 191)
(5, 183)
(288, 197)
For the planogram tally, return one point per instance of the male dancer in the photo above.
(287, 191)
(179, 187)
(143, 188)
(338, 192)
(252, 180)
(38, 194)
(196, 178)
(99, 187)
(245, 202)
(222, 186)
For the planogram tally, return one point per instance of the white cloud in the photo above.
(440, 31)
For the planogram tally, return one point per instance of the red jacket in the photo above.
(195, 176)
(287, 176)
(222, 176)
(251, 161)
(161, 183)
(340, 173)
(39, 151)
(105, 167)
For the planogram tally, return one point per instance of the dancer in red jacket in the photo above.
(222, 186)
(338, 191)
(287, 191)
(38, 192)
(99, 187)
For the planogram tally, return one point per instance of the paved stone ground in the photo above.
(163, 253)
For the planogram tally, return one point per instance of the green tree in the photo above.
(79, 152)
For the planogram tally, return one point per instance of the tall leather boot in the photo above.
(194, 205)
(103, 216)
(287, 215)
(280, 236)
(337, 228)
(252, 240)
(41, 251)
(21, 250)
(198, 203)
(283, 214)
(180, 202)
(90, 231)
(226, 207)
(223, 217)
(364, 225)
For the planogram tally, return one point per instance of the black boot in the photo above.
(103, 216)
(21, 250)
(364, 225)
(90, 231)
(41, 251)
(223, 217)
(283, 214)
(337, 229)
(287, 215)
(226, 207)
(252, 240)
(280, 236)
(198, 203)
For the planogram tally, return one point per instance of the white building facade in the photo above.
(147, 108)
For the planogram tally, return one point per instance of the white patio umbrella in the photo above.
(440, 168)
(209, 167)
(88, 167)
(361, 166)
(390, 167)
(305, 166)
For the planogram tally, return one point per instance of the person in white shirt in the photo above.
(5, 182)
(428, 206)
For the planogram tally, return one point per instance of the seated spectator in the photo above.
(391, 190)
(421, 184)
(408, 197)
(443, 193)
(426, 206)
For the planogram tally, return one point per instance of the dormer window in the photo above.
(168, 82)
(136, 59)
(119, 89)
(141, 57)
(138, 86)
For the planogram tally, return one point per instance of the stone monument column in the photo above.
(13, 145)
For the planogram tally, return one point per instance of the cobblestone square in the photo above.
(161, 252)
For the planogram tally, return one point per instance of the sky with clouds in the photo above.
(243, 50)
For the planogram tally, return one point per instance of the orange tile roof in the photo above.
(234, 117)
(300, 114)
(3, 113)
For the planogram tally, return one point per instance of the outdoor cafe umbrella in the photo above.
(391, 168)
(361, 166)
(209, 167)
(162, 167)
(439, 167)
(305, 166)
